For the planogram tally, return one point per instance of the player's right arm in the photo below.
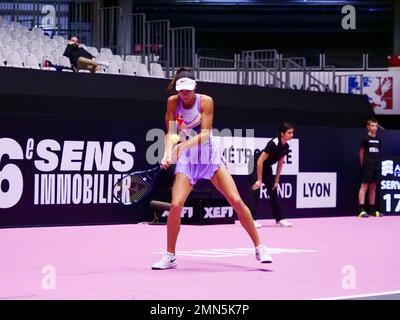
(171, 129)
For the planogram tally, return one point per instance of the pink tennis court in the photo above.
(319, 258)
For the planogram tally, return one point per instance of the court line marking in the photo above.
(377, 294)
(233, 252)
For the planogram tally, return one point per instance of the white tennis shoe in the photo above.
(168, 261)
(284, 223)
(257, 224)
(262, 254)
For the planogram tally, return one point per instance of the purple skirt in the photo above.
(201, 161)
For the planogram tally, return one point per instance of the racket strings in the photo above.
(140, 183)
(138, 188)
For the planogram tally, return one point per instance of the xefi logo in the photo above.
(388, 167)
(218, 212)
(186, 212)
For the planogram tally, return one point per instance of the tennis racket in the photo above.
(135, 186)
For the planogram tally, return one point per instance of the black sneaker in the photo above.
(363, 214)
(376, 214)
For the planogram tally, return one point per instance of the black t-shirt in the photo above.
(372, 149)
(275, 151)
(74, 53)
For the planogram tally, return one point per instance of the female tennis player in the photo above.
(197, 157)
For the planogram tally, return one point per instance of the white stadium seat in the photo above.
(14, 44)
(112, 68)
(31, 62)
(107, 52)
(128, 69)
(5, 49)
(22, 51)
(142, 70)
(14, 60)
(156, 70)
(93, 51)
(64, 61)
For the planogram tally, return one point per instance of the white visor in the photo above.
(185, 84)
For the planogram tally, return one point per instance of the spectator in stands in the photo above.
(274, 152)
(81, 59)
(369, 159)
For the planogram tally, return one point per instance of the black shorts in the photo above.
(369, 174)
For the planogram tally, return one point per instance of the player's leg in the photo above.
(372, 199)
(273, 195)
(372, 192)
(253, 204)
(269, 180)
(180, 191)
(362, 192)
(87, 64)
(253, 199)
(361, 200)
(223, 181)
(371, 196)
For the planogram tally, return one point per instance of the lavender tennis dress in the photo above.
(200, 161)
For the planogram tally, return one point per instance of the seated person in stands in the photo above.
(81, 59)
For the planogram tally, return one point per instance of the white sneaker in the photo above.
(168, 261)
(262, 254)
(284, 223)
(257, 225)
(104, 64)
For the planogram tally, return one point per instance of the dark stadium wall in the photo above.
(80, 94)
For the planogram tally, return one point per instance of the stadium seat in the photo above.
(103, 57)
(31, 45)
(14, 44)
(142, 70)
(128, 68)
(136, 59)
(22, 51)
(156, 70)
(38, 53)
(118, 60)
(31, 62)
(2, 60)
(56, 53)
(14, 60)
(113, 68)
(107, 52)
(22, 40)
(5, 39)
(37, 32)
(5, 49)
(93, 51)
(64, 61)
